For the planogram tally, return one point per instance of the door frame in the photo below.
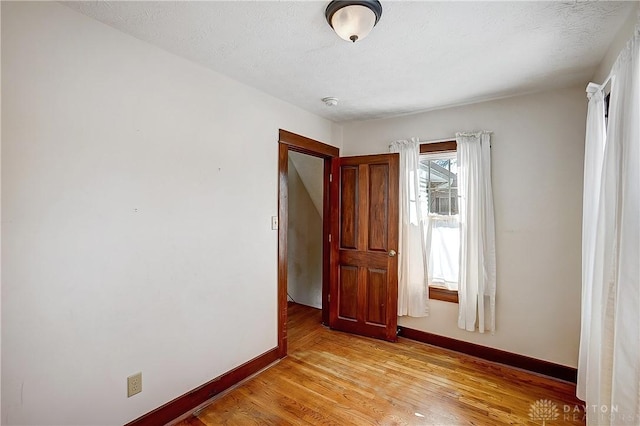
(288, 141)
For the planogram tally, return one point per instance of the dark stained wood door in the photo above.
(364, 264)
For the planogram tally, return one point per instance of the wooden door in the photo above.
(364, 264)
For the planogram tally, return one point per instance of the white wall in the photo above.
(304, 245)
(537, 158)
(137, 190)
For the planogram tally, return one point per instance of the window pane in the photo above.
(439, 183)
(444, 253)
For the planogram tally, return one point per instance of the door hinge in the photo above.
(330, 177)
(328, 298)
(329, 237)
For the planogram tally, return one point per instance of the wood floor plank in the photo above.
(334, 378)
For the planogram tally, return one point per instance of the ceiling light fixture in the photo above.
(353, 20)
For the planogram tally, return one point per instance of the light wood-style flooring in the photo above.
(334, 378)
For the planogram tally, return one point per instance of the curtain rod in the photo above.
(594, 87)
(452, 138)
(606, 81)
(449, 139)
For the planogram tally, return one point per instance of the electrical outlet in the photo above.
(134, 384)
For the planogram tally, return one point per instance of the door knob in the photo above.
(392, 253)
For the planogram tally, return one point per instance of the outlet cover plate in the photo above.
(134, 384)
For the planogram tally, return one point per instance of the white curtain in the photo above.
(593, 158)
(443, 248)
(412, 275)
(477, 284)
(609, 360)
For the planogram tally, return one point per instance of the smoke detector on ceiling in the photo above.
(330, 101)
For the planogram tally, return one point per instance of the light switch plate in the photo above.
(274, 222)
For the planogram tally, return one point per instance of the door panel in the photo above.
(348, 207)
(365, 269)
(378, 207)
(348, 286)
(376, 296)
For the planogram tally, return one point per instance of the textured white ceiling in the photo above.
(420, 56)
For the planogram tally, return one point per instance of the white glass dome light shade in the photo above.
(353, 23)
(353, 20)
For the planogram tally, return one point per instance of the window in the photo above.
(439, 205)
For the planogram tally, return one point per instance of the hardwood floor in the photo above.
(334, 378)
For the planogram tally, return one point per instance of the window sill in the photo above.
(441, 293)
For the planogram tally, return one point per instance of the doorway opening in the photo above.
(304, 236)
(308, 157)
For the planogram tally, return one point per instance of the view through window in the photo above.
(439, 205)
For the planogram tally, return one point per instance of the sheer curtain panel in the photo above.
(477, 285)
(593, 159)
(443, 248)
(609, 359)
(412, 274)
